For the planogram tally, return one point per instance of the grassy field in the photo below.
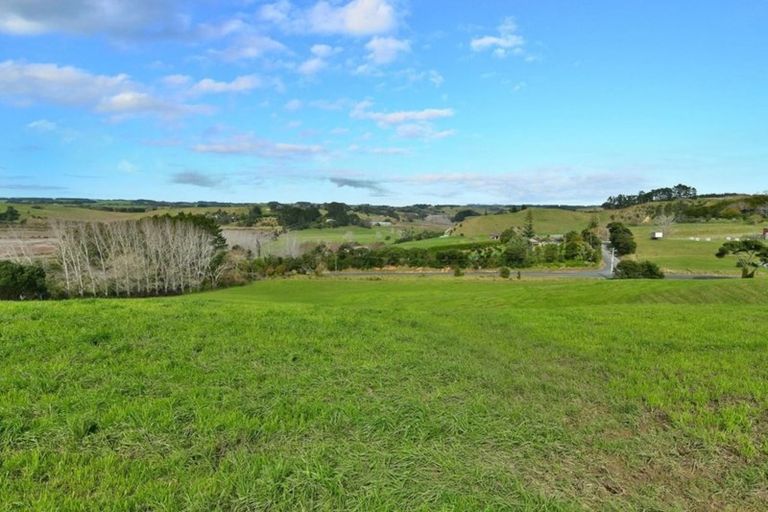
(691, 248)
(549, 221)
(48, 211)
(397, 394)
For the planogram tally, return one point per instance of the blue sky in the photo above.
(381, 101)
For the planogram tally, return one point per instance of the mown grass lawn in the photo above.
(397, 394)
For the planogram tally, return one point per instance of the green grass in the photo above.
(691, 248)
(401, 394)
(545, 221)
(335, 236)
(443, 242)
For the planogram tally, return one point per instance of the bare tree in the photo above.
(665, 223)
(128, 258)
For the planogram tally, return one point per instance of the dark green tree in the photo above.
(10, 214)
(463, 214)
(751, 255)
(622, 239)
(253, 216)
(19, 282)
(528, 231)
(337, 213)
(517, 252)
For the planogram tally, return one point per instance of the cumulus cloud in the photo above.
(250, 145)
(312, 66)
(196, 179)
(361, 111)
(27, 84)
(384, 50)
(319, 60)
(239, 84)
(354, 18)
(249, 46)
(508, 41)
(121, 18)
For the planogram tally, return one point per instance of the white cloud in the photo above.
(250, 145)
(239, 84)
(422, 131)
(312, 66)
(65, 85)
(354, 18)
(28, 84)
(176, 80)
(360, 111)
(319, 61)
(131, 103)
(324, 51)
(294, 105)
(251, 46)
(506, 42)
(331, 105)
(278, 12)
(43, 125)
(384, 50)
(436, 78)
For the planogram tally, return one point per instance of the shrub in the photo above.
(638, 270)
(19, 282)
(504, 272)
(11, 214)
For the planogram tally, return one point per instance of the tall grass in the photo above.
(403, 394)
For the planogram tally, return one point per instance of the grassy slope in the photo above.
(373, 395)
(545, 220)
(679, 253)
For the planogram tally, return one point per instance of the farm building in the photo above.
(657, 235)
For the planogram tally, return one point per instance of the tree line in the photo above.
(658, 194)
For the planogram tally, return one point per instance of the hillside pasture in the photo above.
(546, 221)
(691, 248)
(395, 394)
